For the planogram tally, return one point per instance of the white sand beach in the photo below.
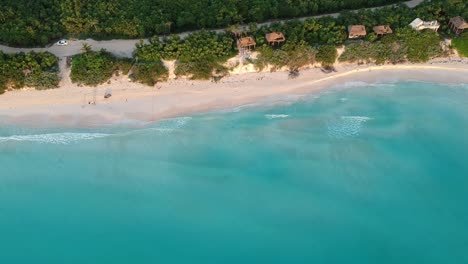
(136, 104)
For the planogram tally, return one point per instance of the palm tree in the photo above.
(86, 47)
(168, 27)
(234, 29)
(93, 23)
(253, 27)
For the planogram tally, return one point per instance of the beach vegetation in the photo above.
(33, 69)
(97, 67)
(291, 55)
(149, 72)
(326, 55)
(420, 46)
(405, 45)
(43, 80)
(149, 67)
(203, 53)
(200, 55)
(269, 56)
(461, 44)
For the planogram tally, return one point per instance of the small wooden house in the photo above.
(458, 24)
(275, 38)
(246, 42)
(382, 30)
(356, 31)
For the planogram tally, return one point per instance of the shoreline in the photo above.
(136, 105)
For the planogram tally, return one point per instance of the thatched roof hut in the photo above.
(382, 30)
(419, 24)
(275, 37)
(246, 42)
(458, 24)
(356, 31)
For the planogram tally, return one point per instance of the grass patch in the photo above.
(461, 45)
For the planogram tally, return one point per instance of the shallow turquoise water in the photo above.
(373, 174)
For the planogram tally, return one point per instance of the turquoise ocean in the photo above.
(362, 173)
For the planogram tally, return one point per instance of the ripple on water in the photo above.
(346, 126)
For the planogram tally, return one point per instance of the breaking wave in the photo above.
(276, 116)
(171, 124)
(54, 138)
(163, 127)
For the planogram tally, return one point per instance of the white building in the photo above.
(419, 24)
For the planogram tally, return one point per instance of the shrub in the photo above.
(269, 56)
(326, 55)
(406, 44)
(293, 55)
(38, 70)
(43, 80)
(150, 72)
(199, 55)
(96, 67)
(420, 46)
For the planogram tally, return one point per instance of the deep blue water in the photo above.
(371, 174)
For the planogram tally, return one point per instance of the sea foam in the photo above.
(168, 125)
(276, 116)
(54, 138)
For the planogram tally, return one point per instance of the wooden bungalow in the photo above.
(275, 38)
(418, 24)
(458, 24)
(246, 42)
(382, 30)
(356, 31)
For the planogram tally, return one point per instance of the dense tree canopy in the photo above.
(27, 23)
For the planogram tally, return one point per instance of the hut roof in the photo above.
(459, 22)
(357, 31)
(275, 37)
(416, 23)
(383, 29)
(247, 42)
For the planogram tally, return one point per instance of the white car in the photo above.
(62, 42)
